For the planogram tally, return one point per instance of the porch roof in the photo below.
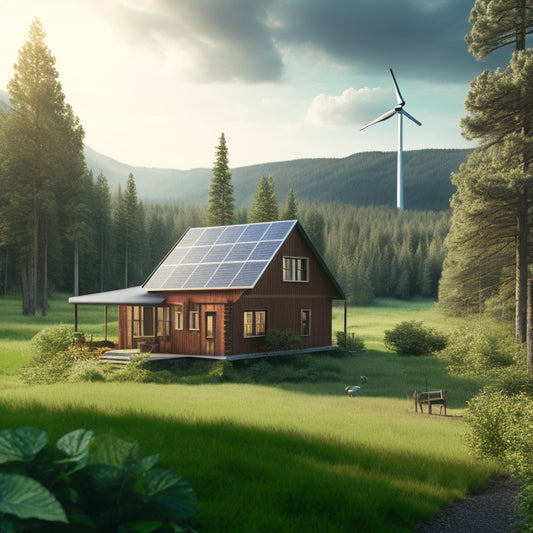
(130, 296)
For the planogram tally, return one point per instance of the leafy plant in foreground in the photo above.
(87, 483)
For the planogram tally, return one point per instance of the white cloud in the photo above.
(352, 107)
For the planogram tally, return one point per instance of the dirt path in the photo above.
(493, 509)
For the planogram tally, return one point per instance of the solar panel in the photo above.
(175, 257)
(254, 232)
(278, 230)
(265, 250)
(191, 237)
(230, 234)
(179, 276)
(249, 274)
(195, 254)
(217, 253)
(240, 252)
(224, 275)
(160, 277)
(220, 257)
(200, 276)
(209, 236)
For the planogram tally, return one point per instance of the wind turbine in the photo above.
(400, 111)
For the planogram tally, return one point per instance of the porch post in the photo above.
(105, 322)
(345, 322)
(75, 317)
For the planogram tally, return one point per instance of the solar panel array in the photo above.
(220, 257)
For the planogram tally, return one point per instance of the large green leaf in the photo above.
(21, 444)
(169, 490)
(76, 446)
(110, 450)
(27, 498)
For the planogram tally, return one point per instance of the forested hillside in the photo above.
(359, 179)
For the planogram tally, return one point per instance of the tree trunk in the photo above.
(529, 351)
(44, 309)
(521, 294)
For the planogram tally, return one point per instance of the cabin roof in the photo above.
(220, 257)
(131, 296)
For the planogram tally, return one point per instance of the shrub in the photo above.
(87, 483)
(277, 340)
(501, 426)
(52, 356)
(349, 343)
(482, 348)
(223, 370)
(412, 338)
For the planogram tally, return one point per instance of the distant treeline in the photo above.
(372, 251)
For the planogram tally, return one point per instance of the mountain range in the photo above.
(367, 178)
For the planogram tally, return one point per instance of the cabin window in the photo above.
(194, 320)
(295, 269)
(178, 317)
(254, 323)
(143, 321)
(163, 322)
(305, 322)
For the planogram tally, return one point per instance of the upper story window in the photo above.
(295, 269)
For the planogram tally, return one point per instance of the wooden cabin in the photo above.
(220, 290)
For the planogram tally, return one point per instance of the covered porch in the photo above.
(146, 321)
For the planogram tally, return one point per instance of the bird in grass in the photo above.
(352, 389)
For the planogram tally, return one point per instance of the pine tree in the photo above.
(264, 207)
(506, 117)
(221, 206)
(42, 146)
(290, 211)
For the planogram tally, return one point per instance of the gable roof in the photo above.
(220, 257)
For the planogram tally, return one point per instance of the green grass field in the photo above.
(285, 457)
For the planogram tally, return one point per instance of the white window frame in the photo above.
(296, 269)
(178, 317)
(194, 320)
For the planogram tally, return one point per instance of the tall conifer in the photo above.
(221, 206)
(42, 146)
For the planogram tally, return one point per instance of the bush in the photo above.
(501, 426)
(52, 356)
(222, 370)
(482, 348)
(277, 340)
(412, 338)
(350, 343)
(87, 483)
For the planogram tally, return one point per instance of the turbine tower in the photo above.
(400, 111)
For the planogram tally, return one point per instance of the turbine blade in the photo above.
(383, 117)
(411, 117)
(399, 97)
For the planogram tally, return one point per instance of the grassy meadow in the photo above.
(281, 457)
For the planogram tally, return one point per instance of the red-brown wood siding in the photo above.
(186, 341)
(282, 301)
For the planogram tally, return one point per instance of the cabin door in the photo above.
(210, 332)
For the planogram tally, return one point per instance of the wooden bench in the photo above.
(430, 398)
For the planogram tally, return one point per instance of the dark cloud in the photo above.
(422, 38)
(245, 40)
(226, 40)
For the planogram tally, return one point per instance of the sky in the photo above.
(155, 82)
